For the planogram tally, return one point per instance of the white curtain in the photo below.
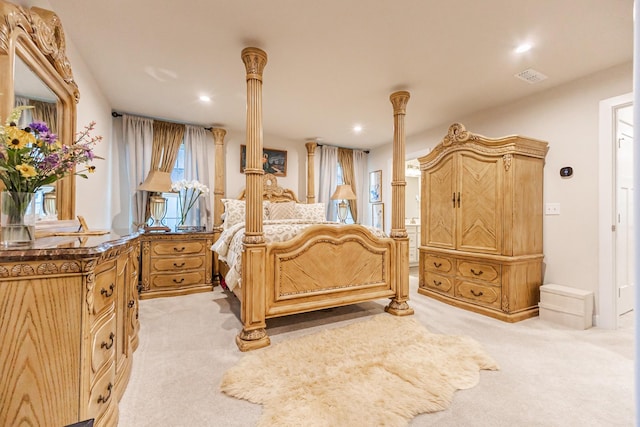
(362, 184)
(137, 135)
(198, 153)
(328, 178)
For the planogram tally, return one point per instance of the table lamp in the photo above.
(344, 193)
(157, 182)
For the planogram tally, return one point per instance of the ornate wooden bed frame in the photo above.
(325, 266)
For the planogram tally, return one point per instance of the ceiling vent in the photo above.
(531, 76)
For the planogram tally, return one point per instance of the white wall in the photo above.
(567, 118)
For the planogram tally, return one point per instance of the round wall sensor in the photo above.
(566, 171)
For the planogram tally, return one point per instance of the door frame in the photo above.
(607, 303)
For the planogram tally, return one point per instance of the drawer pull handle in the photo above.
(437, 264)
(103, 399)
(131, 303)
(478, 294)
(108, 293)
(476, 273)
(108, 346)
(437, 282)
(178, 281)
(175, 264)
(179, 250)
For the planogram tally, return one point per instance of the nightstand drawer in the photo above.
(177, 248)
(177, 264)
(479, 271)
(478, 293)
(103, 344)
(169, 280)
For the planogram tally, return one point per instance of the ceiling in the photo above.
(333, 63)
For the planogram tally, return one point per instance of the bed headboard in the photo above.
(272, 192)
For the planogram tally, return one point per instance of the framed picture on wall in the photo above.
(375, 186)
(273, 161)
(377, 215)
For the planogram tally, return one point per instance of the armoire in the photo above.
(481, 235)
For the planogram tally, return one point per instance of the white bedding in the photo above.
(229, 245)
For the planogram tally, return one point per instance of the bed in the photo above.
(319, 264)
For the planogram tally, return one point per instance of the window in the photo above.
(173, 211)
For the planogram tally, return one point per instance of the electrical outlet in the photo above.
(552, 209)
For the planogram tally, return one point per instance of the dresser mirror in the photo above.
(34, 66)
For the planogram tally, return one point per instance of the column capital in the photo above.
(254, 61)
(311, 147)
(218, 135)
(399, 101)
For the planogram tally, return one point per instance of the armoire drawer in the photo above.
(438, 283)
(478, 293)
(437, 263)
(479, 271)
(176, 248)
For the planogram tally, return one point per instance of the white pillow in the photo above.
(236, 210)
(284, 210)
(315, 212)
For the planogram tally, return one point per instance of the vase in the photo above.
(17, 218)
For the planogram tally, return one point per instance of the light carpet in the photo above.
(383, 371)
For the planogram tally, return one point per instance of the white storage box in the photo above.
(567, 306)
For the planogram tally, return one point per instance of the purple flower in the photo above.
(39, 127)
(48, 138)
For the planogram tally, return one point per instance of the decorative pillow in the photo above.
(285, 210)
(311, 212)
(235, 211)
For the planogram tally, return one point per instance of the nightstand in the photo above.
(175, 263)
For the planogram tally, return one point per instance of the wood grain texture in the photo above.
(482, 223)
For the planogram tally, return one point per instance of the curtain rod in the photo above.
(116, 114)
(366, 151)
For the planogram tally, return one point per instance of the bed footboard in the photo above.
(328, 266)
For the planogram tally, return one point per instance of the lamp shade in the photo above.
(157, 182)
(343, 192)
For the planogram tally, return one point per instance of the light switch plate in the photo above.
(552, 209)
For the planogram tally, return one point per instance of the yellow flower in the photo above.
(91, 169)
(17, 138)
(27, 171)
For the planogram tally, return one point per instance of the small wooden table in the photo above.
(175, 263)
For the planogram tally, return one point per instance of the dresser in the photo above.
(68, 329)
(175, 263)
(481, 214)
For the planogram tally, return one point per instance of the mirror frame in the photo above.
(37, 37)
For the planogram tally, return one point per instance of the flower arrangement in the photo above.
(189, 191)
(33, 156)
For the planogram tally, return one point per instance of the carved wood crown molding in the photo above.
(458, 138)
(44, 29)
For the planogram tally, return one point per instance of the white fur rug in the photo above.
(379, 372)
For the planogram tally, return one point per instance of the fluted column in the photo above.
(311, 174)
(218, 194)
(253, 334)
(398, 304)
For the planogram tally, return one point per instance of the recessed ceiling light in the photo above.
(205, 98)
(523, 48)
(357, 128)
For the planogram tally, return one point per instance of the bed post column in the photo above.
(398, 304)
(253, 334)
(218, 195)
(311, 175)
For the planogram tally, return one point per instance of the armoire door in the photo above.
(438, 192)
(479, 203)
